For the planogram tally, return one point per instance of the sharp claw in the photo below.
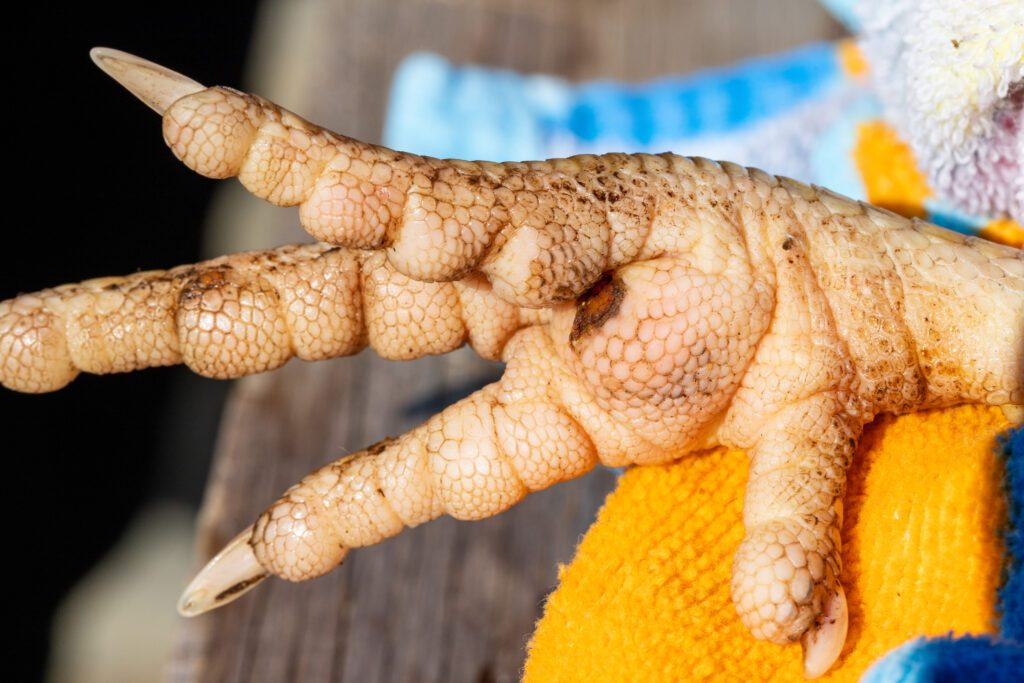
(824, 640)
(232, 572)
(157, 86)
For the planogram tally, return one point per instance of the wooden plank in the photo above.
(448, 601)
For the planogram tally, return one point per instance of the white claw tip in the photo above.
(156, 85)
(825, 639)
(231, 573)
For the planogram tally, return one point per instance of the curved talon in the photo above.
(231, 573)
(824, 640)
(156, 85)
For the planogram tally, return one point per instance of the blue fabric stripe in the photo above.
(942, 214)
(966, 659)
(1011, 595)
(714, 101)
(472, 112)
(476, 112)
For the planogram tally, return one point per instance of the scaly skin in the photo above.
(646, 306)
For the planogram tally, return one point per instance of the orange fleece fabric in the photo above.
(647, 596)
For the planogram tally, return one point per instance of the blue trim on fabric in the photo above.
(1011, 593)
(965, 659)
(945, 215)
(470, 111)
(709, 102)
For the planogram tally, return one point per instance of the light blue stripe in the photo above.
(942, 214)
(476, 112)
(711, 102)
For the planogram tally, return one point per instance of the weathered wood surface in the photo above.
(448, 601)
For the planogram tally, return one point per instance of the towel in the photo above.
(646, 597)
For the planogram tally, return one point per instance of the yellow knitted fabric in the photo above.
(852, 60)
(647, 596)
(1005, 231)
(887, 166)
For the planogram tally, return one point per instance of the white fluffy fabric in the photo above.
(950, 74)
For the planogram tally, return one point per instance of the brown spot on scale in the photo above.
(238, 587)
(597, 305)
(199, 281)
(214, 277)
(380, 446)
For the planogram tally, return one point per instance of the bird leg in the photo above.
(646, 307)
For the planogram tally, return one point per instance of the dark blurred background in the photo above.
(99, 193)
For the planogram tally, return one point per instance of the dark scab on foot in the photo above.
(597, 305)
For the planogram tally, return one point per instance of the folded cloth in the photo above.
(647, 596)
